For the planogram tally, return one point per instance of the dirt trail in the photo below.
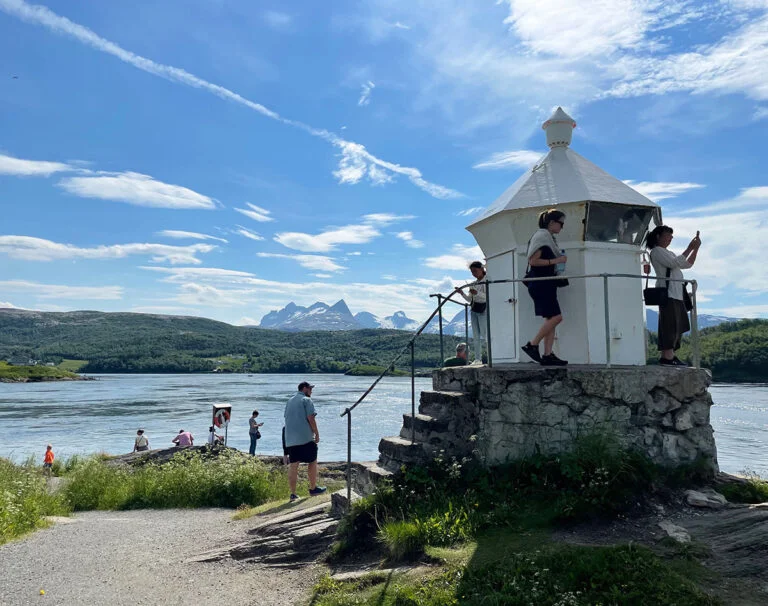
(143, 558)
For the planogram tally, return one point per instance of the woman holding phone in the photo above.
(673, 316)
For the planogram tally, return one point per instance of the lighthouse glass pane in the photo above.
(617, 223)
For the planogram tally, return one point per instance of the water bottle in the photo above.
(560, 267)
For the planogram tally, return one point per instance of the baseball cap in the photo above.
(304, 384)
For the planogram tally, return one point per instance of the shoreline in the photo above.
(44, 379)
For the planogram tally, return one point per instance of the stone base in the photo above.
(523, 409)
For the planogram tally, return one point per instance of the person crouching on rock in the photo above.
(184, 439)
(543, 256)
(213, 438)
(141, 443)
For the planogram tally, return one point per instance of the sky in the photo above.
(222, 158)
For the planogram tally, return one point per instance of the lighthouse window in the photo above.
(619, 223)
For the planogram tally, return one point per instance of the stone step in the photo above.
(442, 404)
(427, 428)
(395, 451)
(367, 476)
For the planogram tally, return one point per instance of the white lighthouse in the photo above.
(605, 223)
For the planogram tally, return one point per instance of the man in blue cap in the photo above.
(301, 438)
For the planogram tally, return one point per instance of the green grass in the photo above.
(188, 480)
(25, 501)
(72, 365)
(505, 567)
(38, 373)
(753, 490)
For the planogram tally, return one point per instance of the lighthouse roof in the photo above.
(562, 176)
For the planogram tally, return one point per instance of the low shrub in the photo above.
(25, 500)
(753, 490)
(188, 480)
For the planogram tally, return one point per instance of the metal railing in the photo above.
(443, 300)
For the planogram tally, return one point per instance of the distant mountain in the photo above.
(318, 316)
(705, 320)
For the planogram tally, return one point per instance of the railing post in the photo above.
(349, 459)
(695, 327)
(413, 394)
(487, 324)
(440, 320)
(607, 322)
(466, 326)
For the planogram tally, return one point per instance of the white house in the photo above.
(605, 223)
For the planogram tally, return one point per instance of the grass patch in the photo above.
(188, 480)
(33, 373)
(505, 568)
(72, 365)
(753, 490)
(25, 501)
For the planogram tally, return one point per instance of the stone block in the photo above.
(707, 498)
(675, 532)
(661, 402)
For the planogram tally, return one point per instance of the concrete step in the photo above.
(442, 404)
(395, 452)
(426, 427)
(367, 476)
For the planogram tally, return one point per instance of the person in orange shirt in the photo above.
(48, 460)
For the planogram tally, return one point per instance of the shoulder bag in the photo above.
(658, 295)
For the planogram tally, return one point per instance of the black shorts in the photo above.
(303, 453)
(544, 295)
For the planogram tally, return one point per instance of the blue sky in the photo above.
(224, 158)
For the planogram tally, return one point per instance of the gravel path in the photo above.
(140, 558)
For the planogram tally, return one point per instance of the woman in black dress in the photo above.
(543, 255)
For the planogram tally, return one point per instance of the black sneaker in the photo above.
(532, 351)
(552, 360)
(678, 362)
(665, 362)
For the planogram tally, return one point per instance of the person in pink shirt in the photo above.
(184, 439)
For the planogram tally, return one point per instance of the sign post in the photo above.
(221, 416)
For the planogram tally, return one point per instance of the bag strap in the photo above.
(669, 271)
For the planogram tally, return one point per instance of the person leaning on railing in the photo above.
(477, 304)
(673, 315)
(543, 256)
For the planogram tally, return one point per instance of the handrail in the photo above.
(399, 355)
(442, 300)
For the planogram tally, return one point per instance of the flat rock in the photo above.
(673, 531)
(706, 497)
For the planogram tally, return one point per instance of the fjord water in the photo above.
(103, 415)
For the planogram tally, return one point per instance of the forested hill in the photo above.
(734, 351)
(132, 342)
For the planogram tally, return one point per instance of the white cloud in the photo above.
(58, 291)
(8, 305)
(365, 93)
(277, 20)
(37, 249)
(30, 168)
(163, 309)
(316, 262)
(761, 113)
(739, 311)
(518, 159)
(256, 213)
(43, 16)
(328, 240)
(661, 190)
(388, 277)
(469, 211)
(137, 189)
(188, 235)
(460, 258)
(247, 233)
(232, 289)
(410, 241)
(323, 276)
(729, 241)
(748, 198)
(385, 219)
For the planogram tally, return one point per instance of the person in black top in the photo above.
(543, 255)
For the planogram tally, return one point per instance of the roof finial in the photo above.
(559, 129)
